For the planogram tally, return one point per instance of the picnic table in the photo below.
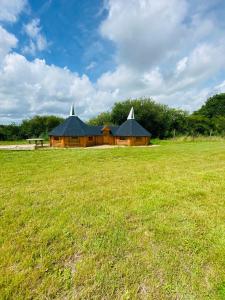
(36, 141)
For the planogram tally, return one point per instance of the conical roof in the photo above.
(131, 128)
(73, 126)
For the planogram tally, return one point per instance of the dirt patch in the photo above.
(118, 146)
(33, 147)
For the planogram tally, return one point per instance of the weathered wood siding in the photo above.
(57, 141)
(68, 141)
(108, 139)
(132, 141)
(99, 140)
(105, 139)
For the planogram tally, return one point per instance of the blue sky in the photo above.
(72, 29)
(95, 52)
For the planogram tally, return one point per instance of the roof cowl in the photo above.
(72, 112)
(131, 114)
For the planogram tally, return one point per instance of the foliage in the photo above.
(214, 107)
(178, 122)
(137, 223)
(10, 132)
(102, 119)
(193, 138)
(219, 125)
(38, 126)
(165, 122)
(157, 118)
(198, 124)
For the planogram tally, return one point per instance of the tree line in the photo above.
(161, 120)
(165, 122)
(38, 126)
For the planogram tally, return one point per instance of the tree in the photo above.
(39, 126)
(178, 122)
(219, 125)
(214, 107)
(157, 118)
(199, 125)
(10, 132)
(102, 119)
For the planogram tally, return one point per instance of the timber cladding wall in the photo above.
(73, 132)
(140, 140)
(81, 141)
(108, 139)
(123, 141)
(56, 141)
(88, 141)
(132, 141)
(68, 141)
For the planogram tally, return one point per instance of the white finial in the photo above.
(131, 114)
(72, 113)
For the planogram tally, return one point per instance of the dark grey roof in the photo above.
(113, 129)
(131, 128)
(97, 130)
(73, 126)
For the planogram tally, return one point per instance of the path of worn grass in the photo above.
(113, 224)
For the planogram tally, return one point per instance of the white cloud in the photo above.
(7, 42)
(203, 63)
(168, 50)
(145, 31)
(220, 88)
(181, 65)
(32, 29)
(37, 41)
(179, 88)
(42, 43)
(91, 66)
(28, 88)
(10, 9)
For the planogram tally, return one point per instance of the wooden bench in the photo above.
(36, 141)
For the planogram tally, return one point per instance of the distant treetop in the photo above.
(214, 107)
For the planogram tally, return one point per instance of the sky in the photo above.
(94, 53)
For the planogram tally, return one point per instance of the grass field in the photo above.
(19, 142)
(127, 223)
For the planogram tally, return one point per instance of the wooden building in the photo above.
(75, 133)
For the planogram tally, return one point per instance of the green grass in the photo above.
(200, 138)
(17, 142)
(127, 223)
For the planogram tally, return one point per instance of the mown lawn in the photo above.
(19, 142)
(128, 223)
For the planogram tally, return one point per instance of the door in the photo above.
(105, 139)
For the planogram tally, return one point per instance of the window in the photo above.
(90, 138)
(56, 138)
(74, 140)
(139, 138)
(123, 138)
